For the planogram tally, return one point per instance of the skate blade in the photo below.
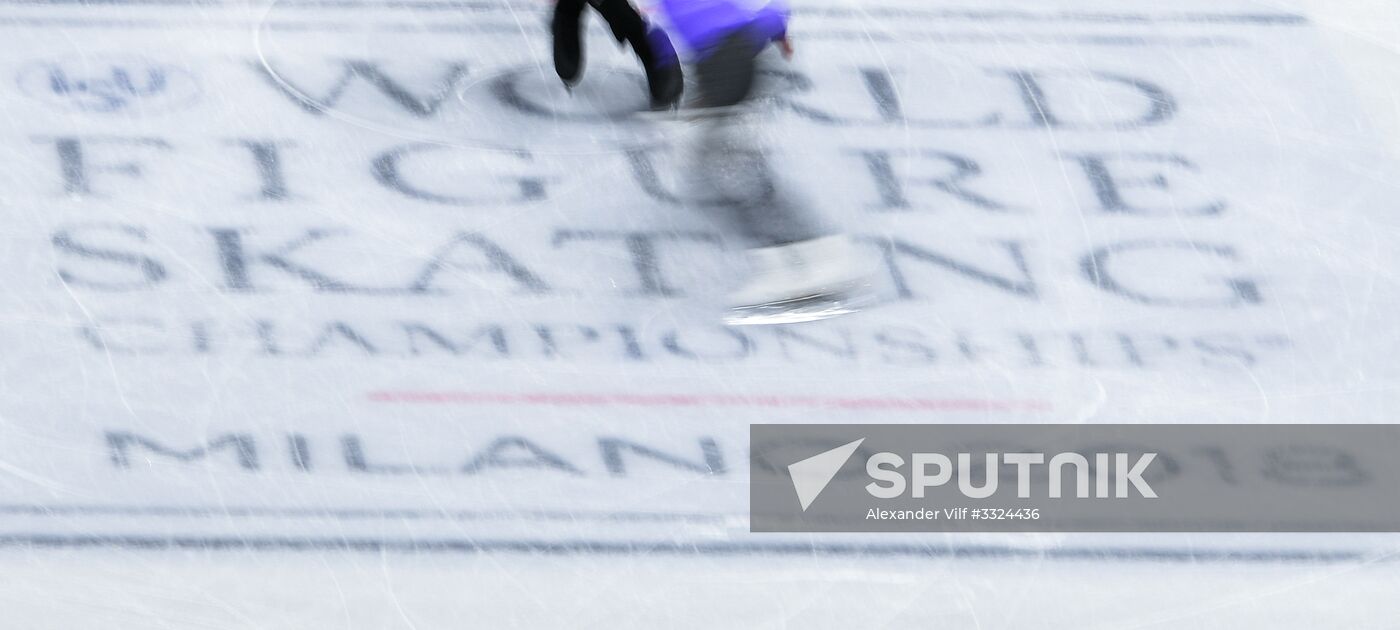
(800, 310)
(691, 114)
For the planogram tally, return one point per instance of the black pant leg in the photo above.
(566, 28)
(725, 74)
(664, 77)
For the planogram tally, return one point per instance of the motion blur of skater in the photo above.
(793, 255)
(652, 46)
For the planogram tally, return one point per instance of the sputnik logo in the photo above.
(810, 476)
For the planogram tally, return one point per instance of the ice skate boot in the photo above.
(802, 282)
(565, 27)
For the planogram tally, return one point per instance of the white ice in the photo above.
(370, 254)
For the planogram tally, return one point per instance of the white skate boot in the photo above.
(801, 282)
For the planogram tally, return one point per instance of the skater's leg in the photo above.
(727, 73)
(566, 29)
(653, 49)
(732, 180)
(793, 255)
(730, 167)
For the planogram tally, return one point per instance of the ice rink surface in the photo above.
(344, 314)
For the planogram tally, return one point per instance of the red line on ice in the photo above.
(705, 400)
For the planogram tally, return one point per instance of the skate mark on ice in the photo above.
(448, 514)
(897, 13)
(705, 400)
(811, 33)
(697, 548)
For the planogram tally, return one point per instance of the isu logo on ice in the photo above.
(931, 470)
(127, 85)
